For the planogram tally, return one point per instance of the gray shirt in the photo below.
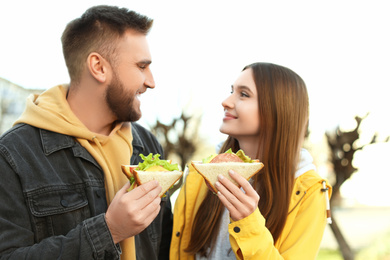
(222, 249)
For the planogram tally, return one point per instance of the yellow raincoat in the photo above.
(300, 238)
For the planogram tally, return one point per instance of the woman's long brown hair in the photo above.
(284, 110)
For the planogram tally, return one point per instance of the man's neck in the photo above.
(90, 108)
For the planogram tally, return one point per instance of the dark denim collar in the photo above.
(53, 142)
(138, 145)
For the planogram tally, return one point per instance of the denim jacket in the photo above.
(53, 201)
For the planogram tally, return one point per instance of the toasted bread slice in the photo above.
(128, 170)
(210, 171)
(165, 178)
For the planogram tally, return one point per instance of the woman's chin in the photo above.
(224, 130)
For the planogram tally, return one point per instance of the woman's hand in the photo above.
(240, 204)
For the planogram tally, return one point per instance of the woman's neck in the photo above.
(249, 146)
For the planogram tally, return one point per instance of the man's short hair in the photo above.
(97, 30)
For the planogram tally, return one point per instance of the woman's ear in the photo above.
(97, 66)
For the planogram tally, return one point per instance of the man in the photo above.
(62, 192)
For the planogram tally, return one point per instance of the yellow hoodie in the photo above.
(51, 111)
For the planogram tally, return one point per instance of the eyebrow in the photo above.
(145, 62)
(243, 87)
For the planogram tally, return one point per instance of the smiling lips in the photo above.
(229, 116)
(138, 93)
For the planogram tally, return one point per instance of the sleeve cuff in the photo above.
(100, 238)
(244, 232)
(248, 226)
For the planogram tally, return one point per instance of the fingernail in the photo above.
(220, 177)
(217, 184)
(231, 172)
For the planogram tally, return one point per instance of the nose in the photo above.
(228, 102)
(149, 80)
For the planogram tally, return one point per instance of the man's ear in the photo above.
(97, 66)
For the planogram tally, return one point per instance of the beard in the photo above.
(121, 102)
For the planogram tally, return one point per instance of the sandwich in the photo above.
(216, 164)
(153, 168)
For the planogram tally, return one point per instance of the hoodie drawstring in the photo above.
(328, 213)
(119, 132)
(111, 181)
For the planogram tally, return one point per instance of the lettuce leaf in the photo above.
(208, 159)
(240, 153)
(132, 183)
(229, 151)
(152, 160)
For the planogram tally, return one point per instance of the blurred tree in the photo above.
(343, 145)
(178, 139)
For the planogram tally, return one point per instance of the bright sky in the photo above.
(340, 48)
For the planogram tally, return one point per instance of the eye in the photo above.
(244, 94)
(143, 65)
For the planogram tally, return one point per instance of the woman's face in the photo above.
(241, 118)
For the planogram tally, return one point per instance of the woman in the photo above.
(281, 212)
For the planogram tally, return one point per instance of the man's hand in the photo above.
(131, 212)
(240, 204)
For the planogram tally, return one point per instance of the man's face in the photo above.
(131, 76)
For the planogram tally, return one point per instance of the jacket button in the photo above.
(236, 229)
(64, 203)
(178, 234)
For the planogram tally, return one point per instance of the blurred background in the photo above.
(340, 48)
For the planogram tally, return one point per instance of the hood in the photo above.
(51, 111)
(305, 163)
